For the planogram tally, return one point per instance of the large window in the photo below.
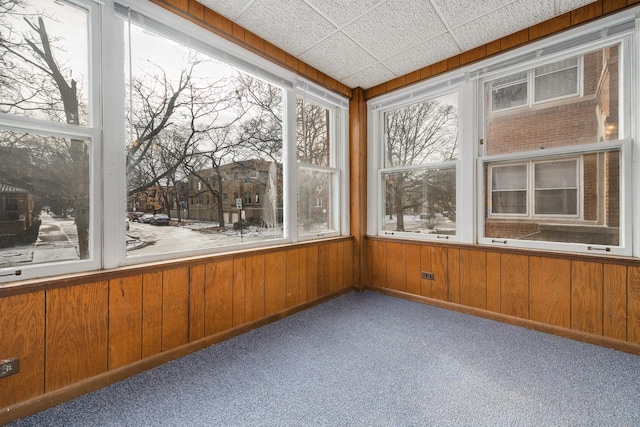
(418, 168)
(49, 136)
(530, 149)
(113, 124)
(553, 169)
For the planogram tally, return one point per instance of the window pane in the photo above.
(509, 91)
(422, 133)
(44, 199)
(421, 201)
(198, 129)
(559, 174)
(44, 63)
(512, 177)
(556, 85)
(556, 202)
(312, 133)
(586, 119)
(315, 209)
(589, 199)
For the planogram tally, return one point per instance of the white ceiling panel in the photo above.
(432, 51)
(291, 25)
(398, 24)
(363, 43)
(341, 12)
(347, 57)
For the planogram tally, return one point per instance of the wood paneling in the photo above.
(633, 305)
(334, 267)
(440, 270)
(151, 313)
(312, 273)
(550, 281)
(323, 270)
(238, 303)
(494, 271)
(125, 321)
(453, 261)
(303, 275)
(514, 281)
(348, 266)
(396, 266)
(219, 296)
(22, 336)
(426, 266)
(615, 302)
(276, 282)
(76, 344)
(473, 273)
(379, 267)
(197, 305)
(175, 308)
(586, 297)
(413, 269)
(293, 273)
(254, 286)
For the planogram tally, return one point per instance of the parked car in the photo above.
(135, 216)
(160, 219)
(146, 218)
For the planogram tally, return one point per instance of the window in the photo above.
(318, 202)
(551, 81)
(419, 168)
(57, 174)
(554, 171)
(49, 139)
(318, 174)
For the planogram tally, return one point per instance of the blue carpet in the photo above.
(367, 359)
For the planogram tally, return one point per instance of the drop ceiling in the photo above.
(363, 43)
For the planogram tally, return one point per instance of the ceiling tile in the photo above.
(507, 20)
(340, 12)
(394, 24)
(289, 24)
(458, 12)
(369, 77)
(567, 5)
(430, 52)
(346, 57)
(230, 9)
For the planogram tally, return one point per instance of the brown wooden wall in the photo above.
(66, 333)
(591, 299)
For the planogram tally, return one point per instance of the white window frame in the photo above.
(93, 135)
(377, 109)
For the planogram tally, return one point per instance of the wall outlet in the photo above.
(428, 276)
(9, 367)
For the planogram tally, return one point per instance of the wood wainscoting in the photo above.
(596, 300)
(78, 333)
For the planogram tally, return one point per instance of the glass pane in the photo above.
(556, 85)
(44, 61)
(556, 202)
(586, 119)
(312, 133)
(560, 174)
(589, 200)
(421, 201)
(204, 148)
(509, 202)
(511, 96)
(512, 177)
(422, 133)
(44, 199)
(315, 202)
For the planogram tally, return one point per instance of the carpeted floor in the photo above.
(367, 359)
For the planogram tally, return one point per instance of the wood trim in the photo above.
(358, 182)
(29, 286)
(60, 395)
